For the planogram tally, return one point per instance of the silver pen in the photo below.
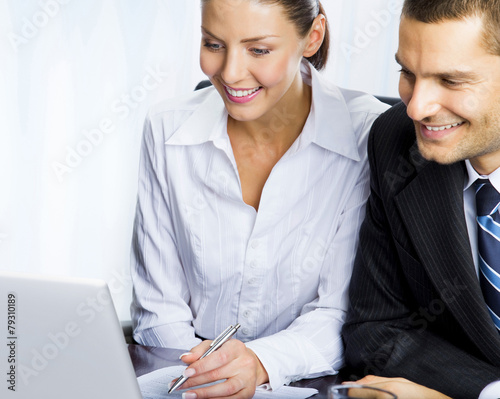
(216, 344)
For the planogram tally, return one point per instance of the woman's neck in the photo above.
(281, 126)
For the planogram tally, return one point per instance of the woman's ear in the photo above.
(315, 36)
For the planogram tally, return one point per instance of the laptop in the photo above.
(61, 338)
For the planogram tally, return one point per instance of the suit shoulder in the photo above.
(393, 131)
(393, 151)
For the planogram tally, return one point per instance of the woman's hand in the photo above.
(233, 362)
(402, 388)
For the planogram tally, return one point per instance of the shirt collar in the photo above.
(207, 122)
(330, 116)
(493, 177)
(328, 125)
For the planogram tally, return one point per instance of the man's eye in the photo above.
(452, 83)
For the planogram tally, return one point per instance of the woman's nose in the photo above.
(234, 67)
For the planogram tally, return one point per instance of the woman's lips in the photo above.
(241, 96)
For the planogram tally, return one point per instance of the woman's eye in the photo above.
(212, 46)
(260, 51)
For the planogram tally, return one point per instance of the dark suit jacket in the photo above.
(416, 306)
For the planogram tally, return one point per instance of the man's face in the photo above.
(451, 87)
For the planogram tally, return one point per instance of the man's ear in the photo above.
(315, 36)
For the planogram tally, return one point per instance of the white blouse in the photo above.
(203, 259)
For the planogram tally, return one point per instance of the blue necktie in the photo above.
(488, 234)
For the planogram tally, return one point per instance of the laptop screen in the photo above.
(62, 339)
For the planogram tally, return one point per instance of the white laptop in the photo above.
(61, 338)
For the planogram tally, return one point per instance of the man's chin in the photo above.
(444, 150)
(434, 153)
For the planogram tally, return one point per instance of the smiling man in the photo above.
(425, 291)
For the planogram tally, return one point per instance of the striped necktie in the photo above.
(488, 234)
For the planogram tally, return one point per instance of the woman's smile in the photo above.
(241, 96)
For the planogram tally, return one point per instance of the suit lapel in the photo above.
(432, 208)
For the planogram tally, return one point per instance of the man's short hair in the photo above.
(435, 11)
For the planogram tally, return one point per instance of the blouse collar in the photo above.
(328, 125)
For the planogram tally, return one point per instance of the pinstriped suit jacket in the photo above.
(416, 306)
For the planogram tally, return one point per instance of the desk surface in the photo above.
(146, 359)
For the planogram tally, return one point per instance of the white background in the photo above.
(76, 79)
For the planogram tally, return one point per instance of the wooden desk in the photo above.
(146, 359)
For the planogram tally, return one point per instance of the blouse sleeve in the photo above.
(160, 312)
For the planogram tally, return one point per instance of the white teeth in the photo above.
(440, 128)
(241, 93)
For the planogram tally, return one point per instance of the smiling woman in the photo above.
(251, 194)
(76, 81)
(258, 55)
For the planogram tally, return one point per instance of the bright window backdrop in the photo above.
(76, 79)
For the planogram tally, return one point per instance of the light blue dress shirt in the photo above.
(492, 391)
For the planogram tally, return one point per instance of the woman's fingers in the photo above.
(195, 353)
(230, 388)
(229, 360)
(234, 366)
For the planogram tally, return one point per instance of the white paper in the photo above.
(154, 385)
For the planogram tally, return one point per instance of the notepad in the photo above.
(154, 385)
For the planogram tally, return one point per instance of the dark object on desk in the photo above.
(203, 84)
(388, 100)
(128, 331)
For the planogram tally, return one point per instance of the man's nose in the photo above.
(423, 101)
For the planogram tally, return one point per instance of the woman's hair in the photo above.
(302, 14)
(435, 11)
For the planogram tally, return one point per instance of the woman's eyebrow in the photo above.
(258, 38)
(249, 40)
